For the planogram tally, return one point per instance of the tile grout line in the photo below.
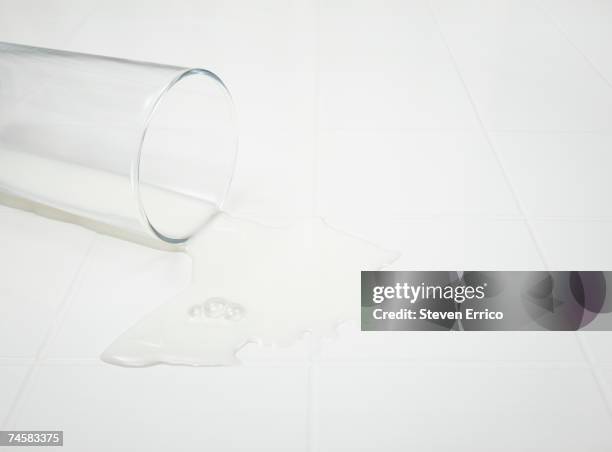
(316, 105)
(552, 131)
(400, 363)
(477, 216)
(312, 440)
(52, 329)
(425, 130)
(598, 376)
(467, 364)
(565, 36)
(595, 373)
(486, 135)
(94, 7)
(461, 216)
(311, 396)
(34, 364)
(61, 314)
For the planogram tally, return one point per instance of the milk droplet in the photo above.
(195, 311)
(215, 307)
(234, 312)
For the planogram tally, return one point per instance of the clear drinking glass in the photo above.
(142, 147)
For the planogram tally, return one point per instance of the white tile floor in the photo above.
(465, 133)
(444, 407)
(416, 173)
(262, 408)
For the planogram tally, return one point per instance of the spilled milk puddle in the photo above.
(253, 283)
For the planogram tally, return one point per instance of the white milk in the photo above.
(253, 283)
(101, 196)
